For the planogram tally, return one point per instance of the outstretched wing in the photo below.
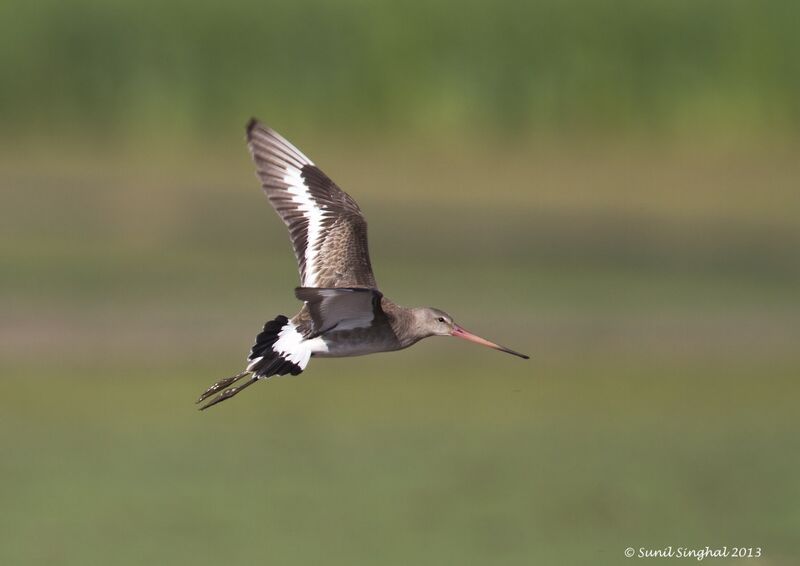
(327, 229)
(342, 308)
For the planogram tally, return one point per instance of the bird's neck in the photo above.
(407, 324)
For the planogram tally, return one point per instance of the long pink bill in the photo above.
(459, 332)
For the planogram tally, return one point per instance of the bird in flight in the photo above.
(343, 313)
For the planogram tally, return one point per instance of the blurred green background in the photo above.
(611, 187)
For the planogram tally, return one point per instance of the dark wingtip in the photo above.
(251, 124)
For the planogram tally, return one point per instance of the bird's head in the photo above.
(435, 322)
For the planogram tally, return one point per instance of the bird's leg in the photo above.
(220, 385)
(228, 393)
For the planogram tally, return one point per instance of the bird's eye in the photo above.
(440, 319)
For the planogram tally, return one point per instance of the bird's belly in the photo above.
(357, 342)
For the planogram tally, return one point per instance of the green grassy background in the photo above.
(609, 187)
(439, 68)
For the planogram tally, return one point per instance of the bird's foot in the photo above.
(220, 385)
(228, 393)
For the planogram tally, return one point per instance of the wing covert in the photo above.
(342, 308)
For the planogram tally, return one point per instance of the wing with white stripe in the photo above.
(327, 229)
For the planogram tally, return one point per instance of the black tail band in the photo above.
(270, 362)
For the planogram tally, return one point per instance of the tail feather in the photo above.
(267, 337)
(278, 350)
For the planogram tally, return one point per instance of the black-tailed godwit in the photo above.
(343, 313)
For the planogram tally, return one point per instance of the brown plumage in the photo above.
(343, 312)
